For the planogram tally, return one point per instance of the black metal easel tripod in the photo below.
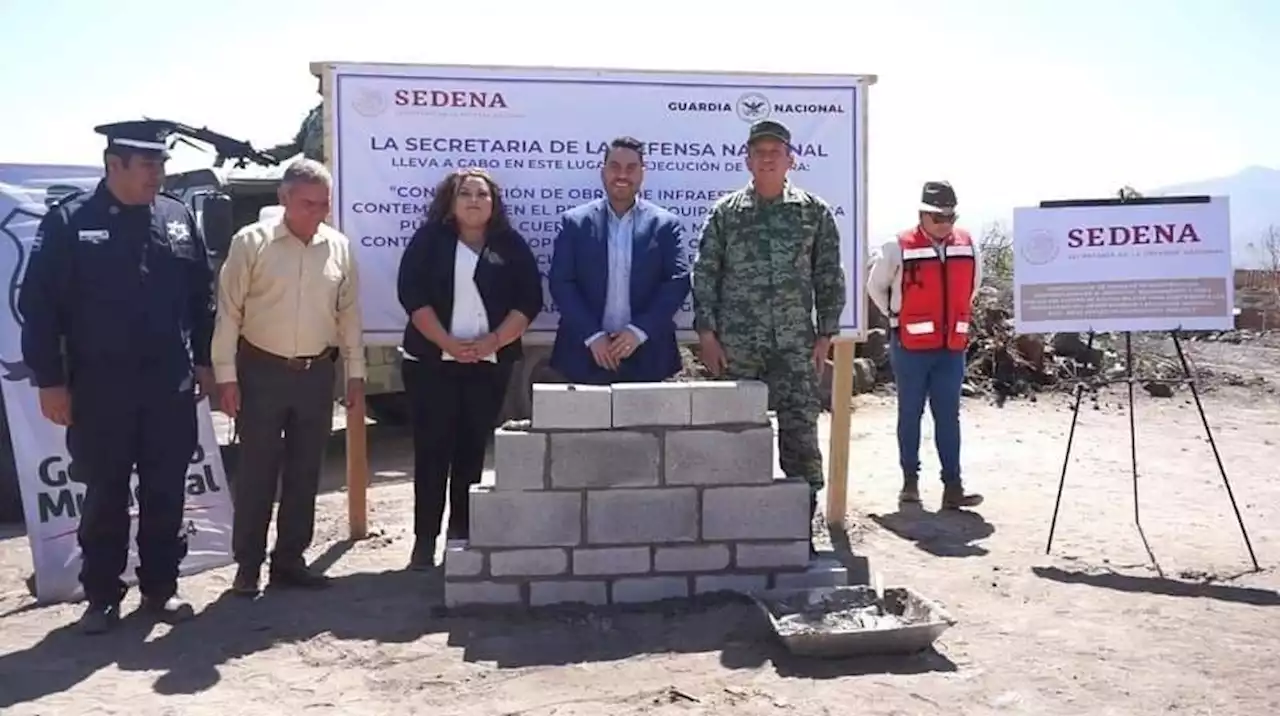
(1187, 379)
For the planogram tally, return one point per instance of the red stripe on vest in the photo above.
(937, 295)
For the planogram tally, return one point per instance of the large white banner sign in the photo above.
(1124, 267)
(51, 501)
(398, 130)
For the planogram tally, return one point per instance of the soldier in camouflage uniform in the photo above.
(769, 255)
(310, 137)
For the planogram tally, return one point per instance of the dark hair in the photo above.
(440, 212)
(631, 143)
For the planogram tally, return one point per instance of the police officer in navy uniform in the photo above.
(117, 303)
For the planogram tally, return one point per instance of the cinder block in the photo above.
(766, 555)
(519, 460)
(557, 592)
(642, 516)
(779, 511)
(609, 458)
(740, 583)
(693, 558)
(719, 457)
(558, 406)
(525, 519)
(649, 589)
(606, 561)
(821, 573)
(652, 404)
(543, 562)
(458, 594)
(720, 402)
(463, 562)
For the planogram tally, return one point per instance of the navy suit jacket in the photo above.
(579, 279)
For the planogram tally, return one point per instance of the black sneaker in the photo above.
(100, 618)
(172, 610)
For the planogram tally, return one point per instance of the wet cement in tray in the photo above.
(845, 612)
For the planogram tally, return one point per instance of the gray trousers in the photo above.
(286, 417)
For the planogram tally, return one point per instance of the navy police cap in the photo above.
(141, 136)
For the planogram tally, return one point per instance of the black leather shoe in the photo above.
(298, 578)
(246, 582)
(171, 610)
(424, 554)
(100, 618)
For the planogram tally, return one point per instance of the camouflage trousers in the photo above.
(793, 395)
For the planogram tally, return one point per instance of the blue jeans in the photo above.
(935, 376)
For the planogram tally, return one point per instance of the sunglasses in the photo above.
(940, 218)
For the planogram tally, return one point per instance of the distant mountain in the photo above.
(1254, 195)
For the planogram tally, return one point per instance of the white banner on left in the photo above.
(50, 500)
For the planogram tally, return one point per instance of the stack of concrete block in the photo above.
(636, 493)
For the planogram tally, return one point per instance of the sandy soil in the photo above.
(1095, 628)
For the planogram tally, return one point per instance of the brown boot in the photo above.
(910, 493)
(954, 498)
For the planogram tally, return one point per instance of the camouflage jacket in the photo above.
(311, 134)
(763, 267)
(309, 141)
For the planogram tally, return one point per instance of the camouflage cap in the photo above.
(769, 129)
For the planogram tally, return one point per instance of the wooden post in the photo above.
(841, 424)
(356, 434)
(357, 472)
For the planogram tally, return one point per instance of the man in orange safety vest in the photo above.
(925, 281)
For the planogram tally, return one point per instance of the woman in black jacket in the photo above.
(471, 287)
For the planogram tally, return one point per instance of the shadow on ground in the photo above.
(399, 607)
(1163, 586)
(947, 533)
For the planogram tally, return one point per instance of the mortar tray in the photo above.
(921, 620)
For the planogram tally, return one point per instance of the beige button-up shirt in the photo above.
(288, 297)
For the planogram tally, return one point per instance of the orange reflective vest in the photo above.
(937, 294)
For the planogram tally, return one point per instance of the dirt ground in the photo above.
(1094, 628)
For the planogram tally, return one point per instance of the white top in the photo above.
(469, 321)
(884, 284)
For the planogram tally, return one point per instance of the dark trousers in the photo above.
(455, 408)
(117, 425)
(286, 416)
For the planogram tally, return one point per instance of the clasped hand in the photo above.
(473, 351)
(611, 349)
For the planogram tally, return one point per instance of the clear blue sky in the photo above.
(1013, 101)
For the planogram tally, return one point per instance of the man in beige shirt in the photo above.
(287, 309)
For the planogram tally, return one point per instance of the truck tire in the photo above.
(391, 409)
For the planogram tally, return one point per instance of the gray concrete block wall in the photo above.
(635, 493)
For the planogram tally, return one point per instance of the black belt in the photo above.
(298, 363)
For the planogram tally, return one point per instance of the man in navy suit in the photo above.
(618, 276)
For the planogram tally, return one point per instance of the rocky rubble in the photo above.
(1003, 364)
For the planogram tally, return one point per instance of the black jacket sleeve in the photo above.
(413, 279)
(44, 299)
(526, 280)
(201, 302)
